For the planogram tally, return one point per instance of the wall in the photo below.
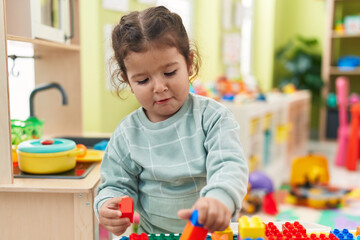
(102, 110)
(276, 22)
(207, 31)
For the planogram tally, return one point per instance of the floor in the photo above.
(345, 217)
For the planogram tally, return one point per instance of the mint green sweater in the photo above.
(166, 166)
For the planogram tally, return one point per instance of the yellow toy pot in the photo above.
(55, 156)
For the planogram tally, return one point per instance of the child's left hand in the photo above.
(213, 214)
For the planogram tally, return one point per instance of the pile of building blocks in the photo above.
(251, 228)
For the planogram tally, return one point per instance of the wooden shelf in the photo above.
(344, 35)
(336, 43)
(337, 71)
(44, 43)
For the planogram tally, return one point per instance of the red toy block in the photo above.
(192, 232)
(142, 236)
(126, 207)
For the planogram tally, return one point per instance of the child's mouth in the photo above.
(163, 101)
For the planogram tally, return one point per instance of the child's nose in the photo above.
(160, 85)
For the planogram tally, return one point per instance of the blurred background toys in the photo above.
(352, 24)
(309, 184)
(348, 62)
(226, 86)
(260, 194)
(32, 128)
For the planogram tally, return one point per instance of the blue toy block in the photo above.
(343, 234)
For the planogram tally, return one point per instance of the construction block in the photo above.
(271, 230)
(357, 231)
(251, 227)
(126, 207)
(142, 236)
(193, 229)
(322, 236)
(294, 230)
(220, 235)
(343, 234)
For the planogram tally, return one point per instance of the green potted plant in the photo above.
(299, 64)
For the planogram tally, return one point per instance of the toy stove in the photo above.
(81, 170)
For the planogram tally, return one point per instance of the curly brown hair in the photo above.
(152, 27)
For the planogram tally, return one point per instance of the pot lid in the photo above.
(52, 145)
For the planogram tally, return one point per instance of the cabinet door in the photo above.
(50, 19)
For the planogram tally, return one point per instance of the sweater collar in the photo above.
(167, 122)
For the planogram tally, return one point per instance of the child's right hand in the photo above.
(109, 217)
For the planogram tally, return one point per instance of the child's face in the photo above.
(159, 78)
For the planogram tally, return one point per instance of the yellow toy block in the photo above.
(251, 227)
(219, 234)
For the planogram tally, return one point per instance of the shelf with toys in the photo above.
(341, 52)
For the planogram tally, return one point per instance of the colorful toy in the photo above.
(342, 90)
(225, 86)
(353, 145)
(348, 63)
(227, 234)
(352, 24)
(126, 208)
(251, 227)
(309, 184)
(348, 141)
(260, 183)
(331, 100)
(342, 234)
(193, 229)
(142, 236)
(255, 229)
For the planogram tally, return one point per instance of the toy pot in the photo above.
(38, 158)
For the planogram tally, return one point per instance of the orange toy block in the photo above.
(126, 207)
(193, 230)
(227, 234)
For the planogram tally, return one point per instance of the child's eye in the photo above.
(170, 73)
(143, 81)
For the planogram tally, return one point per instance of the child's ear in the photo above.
(126, 80)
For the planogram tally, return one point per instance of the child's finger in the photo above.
(184, 213)
(202, 206)
(114, 202)
(110, 213)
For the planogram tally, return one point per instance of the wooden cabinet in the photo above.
(49, 208)
(44, 208)
(338, 44)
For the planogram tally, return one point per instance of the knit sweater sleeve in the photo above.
(227, 169)
(118, 172)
